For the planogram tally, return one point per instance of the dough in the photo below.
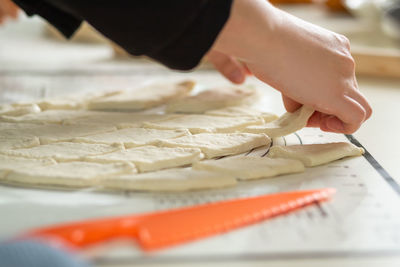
(242, 111)
(204, 124)
(19, 109)
(182, 179)
(68, 174)
(248, 167)
(118, 119)
(8, 143)
(64, 151)
(7, 164)
(211, 99)
(151, 158)
(132, 137)
(286, 124)
(51, 133)
(48, 116)
(142, 98)
(73, 101)
(316, 154)
(217, 145)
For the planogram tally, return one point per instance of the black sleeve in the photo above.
(176, 33)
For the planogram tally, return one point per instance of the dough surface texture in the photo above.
(142, 98)
(316, 154)
(204, 124)
(217, 145)
(286, 124)
(182, 179)
(211, 99)
(151, 158)
(248, 167)
(242, 111)
(132, 137)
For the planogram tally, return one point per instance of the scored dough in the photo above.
(211, 99)
(69, 174)
(151, 158)
(204, 124)
(132, 137)
(286, 124)
(182, 179)
(217, 145)
(8, 164)
(118, 119)
(248, 167)
(242, 111)
(316, 154)
(48, 116)
(19, 109)
(63, 151)
(142, 98)
(8, 143)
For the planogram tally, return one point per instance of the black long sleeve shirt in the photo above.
(176, 33)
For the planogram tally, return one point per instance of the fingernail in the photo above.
(335, 124)
(236, 76)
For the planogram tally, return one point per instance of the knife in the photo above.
(162, 229)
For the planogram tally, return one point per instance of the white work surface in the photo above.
(360, 226)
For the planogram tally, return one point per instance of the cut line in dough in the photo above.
(142, 98)
(205, 124)
(286, 124)
(316, 154)
(217, 145)
(182, 179)
(151, 158)
(248, 167)
(242, 111)
(211, 99)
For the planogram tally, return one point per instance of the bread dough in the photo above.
(152, 158)
(51, 133)
(242, 111)
(316, 154)
(8, 143)
(217, 145)
(19, 109)
(48, 116)
(182, 179)
(142, 98)
(63, 151)
(211, 99)
(67, 174)
(248, 167)
(7, 164)
(132, 137)
(286, 124)
(118, 119)
(204, 124)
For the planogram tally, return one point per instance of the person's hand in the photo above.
(307, 64)
(7, 10)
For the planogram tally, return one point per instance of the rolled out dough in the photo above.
(182, 179)
(142, 98)
(8, 164)
(211, 99)
(19, 109)
(217, 145)
(63, 151)
(152, 158)
(316, 154)
(248, 167)
(242, 111)
(286, 124)
(68, 174)
(132, 137)
(204, 124)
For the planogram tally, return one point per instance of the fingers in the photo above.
(290, 104)
(228, 66)
(360, 98)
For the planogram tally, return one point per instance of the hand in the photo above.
(7, 9)
(230, 67)
(307, 64)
